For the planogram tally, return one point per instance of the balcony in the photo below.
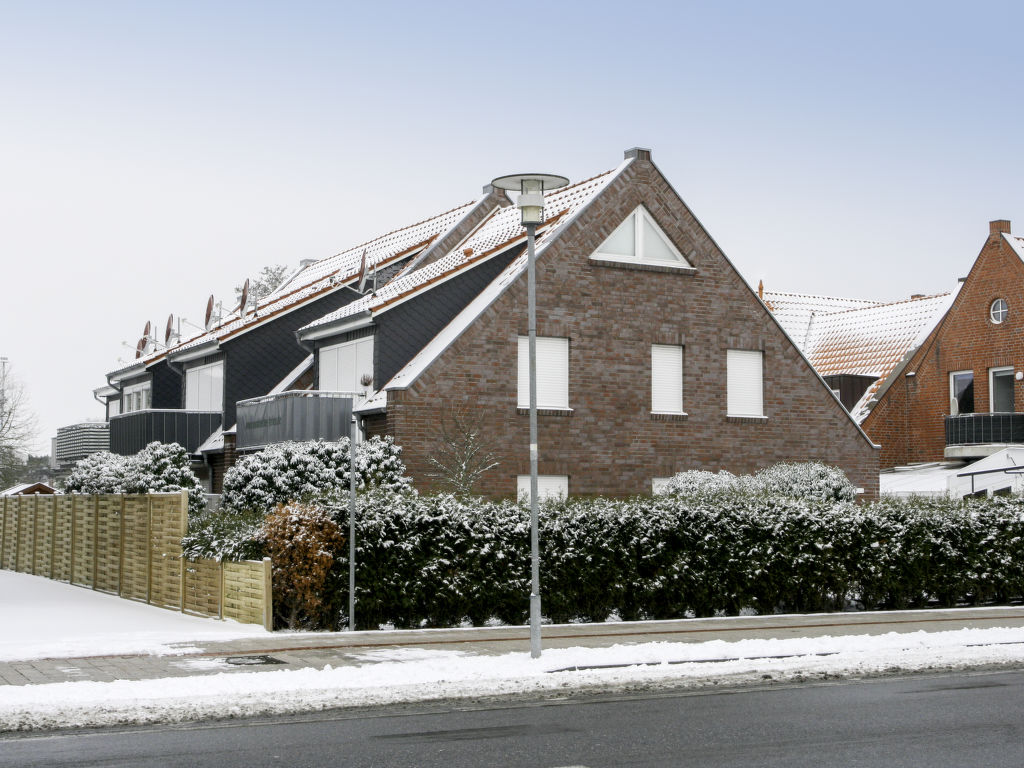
(131, 432)
(981, 434)
(295, 415)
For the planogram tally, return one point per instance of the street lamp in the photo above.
(531, 188)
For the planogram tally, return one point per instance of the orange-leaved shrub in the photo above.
(304, 542)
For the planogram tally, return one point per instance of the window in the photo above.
(961, 392)
(639, 239)
(998, 311)
(548, 487)
(204, 387)
(666, 378)
(137, 397)
(348, 367)
(552, 372)
(113, 408)
(1000, 388)
(744, 383)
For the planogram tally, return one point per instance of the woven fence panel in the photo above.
(9, 533)
(244, 593)
(62, 538)
(84, 540)
(168, 526)
(26, 534)
(45, 506)
(135, 558)
(202, 587)
(108, 543)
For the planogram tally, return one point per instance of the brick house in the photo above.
(956, 395)
(654, 354)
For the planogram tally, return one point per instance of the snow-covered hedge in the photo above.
(313, 470)
(157, 467)
(805, 480)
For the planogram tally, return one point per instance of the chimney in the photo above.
(638, 153)
(760, 289)
(914, 296)
(998, 227)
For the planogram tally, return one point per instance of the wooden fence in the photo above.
(129, 545)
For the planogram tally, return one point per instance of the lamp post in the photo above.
(530, 202)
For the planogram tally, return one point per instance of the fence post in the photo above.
(268, 596)
(95, 540)
(120, 554)
(53, 541)
(35, 535)
(17, 536)
(220, 564)
(3, 530)
(182, 530)
(149, 549)
(71, 554)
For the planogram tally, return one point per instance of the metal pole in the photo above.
(352, 524)
(531, 289)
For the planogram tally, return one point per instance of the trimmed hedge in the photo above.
(441, 560)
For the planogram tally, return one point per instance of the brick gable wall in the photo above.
(610, 443)
(908, 419)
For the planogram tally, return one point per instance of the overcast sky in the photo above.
(153, 153)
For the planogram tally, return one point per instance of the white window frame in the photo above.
(952, 391)
(195, 378)
(744, 400)
(640, 216)
(548, 487)
(113, 407)
(362, 390)
(137, 397)
(998, 316)
(552, 373)
(667, 365)
(991, 385)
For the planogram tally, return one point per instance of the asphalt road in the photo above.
(935, 721)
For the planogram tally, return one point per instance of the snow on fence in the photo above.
(129, 545)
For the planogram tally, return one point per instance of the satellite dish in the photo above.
(139, 347)
(362, 272)
(245, 298)
(169, 329)
(149, 330)
(209, 313)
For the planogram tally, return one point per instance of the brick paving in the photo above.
(288, 650)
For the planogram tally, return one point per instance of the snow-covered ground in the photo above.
(402, 674)
(46, 619)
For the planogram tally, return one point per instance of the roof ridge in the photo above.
(366, 243)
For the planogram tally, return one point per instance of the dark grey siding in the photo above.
(256, 361)
(406, 329)
(166, 386)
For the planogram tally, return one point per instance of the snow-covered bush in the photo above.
(303, 542)
(797, 480)
(217, 534)
(159, 467)
(314, 470)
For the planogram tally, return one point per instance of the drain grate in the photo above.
(252, 661)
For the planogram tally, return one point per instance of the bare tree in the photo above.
(462, 453)
(17, 424)
(264, 283)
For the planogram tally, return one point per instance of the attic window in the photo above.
(640, 240)
(998, 311)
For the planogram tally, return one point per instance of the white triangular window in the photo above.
(639, 239)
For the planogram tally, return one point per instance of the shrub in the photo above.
(219, 534)
(159, 467)
(310, 471)
(303, 542)
(803, 480)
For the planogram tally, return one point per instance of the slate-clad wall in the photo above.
(908, 420)
(166, 385)
(610, 442)
(256, 361)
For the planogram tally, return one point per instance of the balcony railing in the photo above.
(985, 428)
(294, 415)
(131, 432)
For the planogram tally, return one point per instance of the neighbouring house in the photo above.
(654, 355)
(955, 395)
(28, 489)
(76, 441)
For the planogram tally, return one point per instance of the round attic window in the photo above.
(997, 312)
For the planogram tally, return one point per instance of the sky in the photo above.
(154, 153)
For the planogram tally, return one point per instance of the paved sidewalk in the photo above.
(287, 650)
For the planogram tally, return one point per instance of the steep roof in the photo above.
(853, 336)
(317, 279)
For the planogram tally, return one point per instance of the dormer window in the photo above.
(639, 240)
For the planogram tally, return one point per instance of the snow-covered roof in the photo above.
(314, 281)
(21, 488)
(854, 336)
(1016, 242)
(499, 232)
(503, 230)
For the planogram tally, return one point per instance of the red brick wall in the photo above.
(611, 444)
(908, 419)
